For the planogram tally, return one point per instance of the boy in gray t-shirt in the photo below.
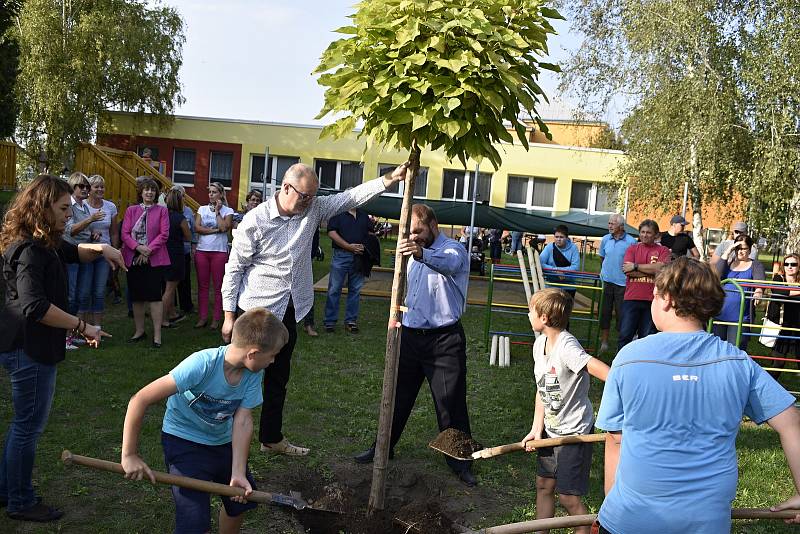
(561, 368)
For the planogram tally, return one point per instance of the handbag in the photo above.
(770, 329)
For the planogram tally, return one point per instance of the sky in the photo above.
(252, 59)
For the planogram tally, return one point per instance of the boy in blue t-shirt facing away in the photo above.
(208, 423)
(673, 404)
(561, 368)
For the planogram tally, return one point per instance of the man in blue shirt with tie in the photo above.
(432, 342)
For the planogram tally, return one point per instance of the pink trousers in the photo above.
(210, 265)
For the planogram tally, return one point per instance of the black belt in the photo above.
(434, 331)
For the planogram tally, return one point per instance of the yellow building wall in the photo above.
(563, 163)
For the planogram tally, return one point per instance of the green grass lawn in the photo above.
(332, 406)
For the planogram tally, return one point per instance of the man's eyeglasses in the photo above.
(790, 264)
(303, 196)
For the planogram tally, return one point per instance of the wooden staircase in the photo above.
(120, 168)
(8, 166)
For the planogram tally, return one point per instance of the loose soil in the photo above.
(455, 443)
(418, 501)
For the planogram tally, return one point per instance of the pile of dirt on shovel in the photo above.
(456, 443)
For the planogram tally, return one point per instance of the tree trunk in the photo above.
(378, 489)
(793, 225)
(697, 204)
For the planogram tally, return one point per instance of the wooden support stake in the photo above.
(377, 492)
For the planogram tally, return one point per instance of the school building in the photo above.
(555, 176)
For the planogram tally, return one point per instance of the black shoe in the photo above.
(368, 455)
(466, 476)
(351, 327)
(330, 329)
(39, 513)
(137, 338)
(156, 345)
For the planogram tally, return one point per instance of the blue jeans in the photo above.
(343, 265)
(79, 280)
(636, 319)
(32, 388)
(98, 275)
(516, 242)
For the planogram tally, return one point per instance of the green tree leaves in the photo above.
(451, 74)
(78, 62)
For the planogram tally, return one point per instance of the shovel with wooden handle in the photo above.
(441, 445)
(293, 500)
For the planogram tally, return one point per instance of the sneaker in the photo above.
(284, 447)
(351, 327)
(39, 513)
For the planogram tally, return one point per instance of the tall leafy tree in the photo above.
(674, 62)
(770, 76)
(9, 64)
(79, 58)
(443, 74)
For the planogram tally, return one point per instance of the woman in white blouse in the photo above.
(212, 223)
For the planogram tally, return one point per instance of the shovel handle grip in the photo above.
(538, 444)
(167, 478)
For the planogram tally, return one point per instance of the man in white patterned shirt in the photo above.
(270, 267)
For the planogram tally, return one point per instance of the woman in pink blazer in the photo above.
(145, 229)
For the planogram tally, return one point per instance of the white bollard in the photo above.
(508, 352)
(501, 351)
(493, 352)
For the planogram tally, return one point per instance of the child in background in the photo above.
(208, 423)
(562, 369)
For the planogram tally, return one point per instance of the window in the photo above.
(530, 192)
(579, 199)
(592, 198)
(398, 189)
(606, 200)
(340, 175)
(183, 167)
(276, 166)
(456, 185)
(221, 168)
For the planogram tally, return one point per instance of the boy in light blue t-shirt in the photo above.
(208, 423)
(672, 404)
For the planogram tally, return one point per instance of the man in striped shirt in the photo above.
(270, 267)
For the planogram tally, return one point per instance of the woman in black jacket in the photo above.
(33, 324)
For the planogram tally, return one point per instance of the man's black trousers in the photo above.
(440, 356)
(276, 378)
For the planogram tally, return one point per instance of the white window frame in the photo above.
(193, 174)
(402, 185)
(466, 193)
(274, 172)
(528, 205)
(339, 163)
(591, 210)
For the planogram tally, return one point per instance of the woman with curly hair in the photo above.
(33, 323)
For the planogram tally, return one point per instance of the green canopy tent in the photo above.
(535, 222)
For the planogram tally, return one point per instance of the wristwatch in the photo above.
(635, 266)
